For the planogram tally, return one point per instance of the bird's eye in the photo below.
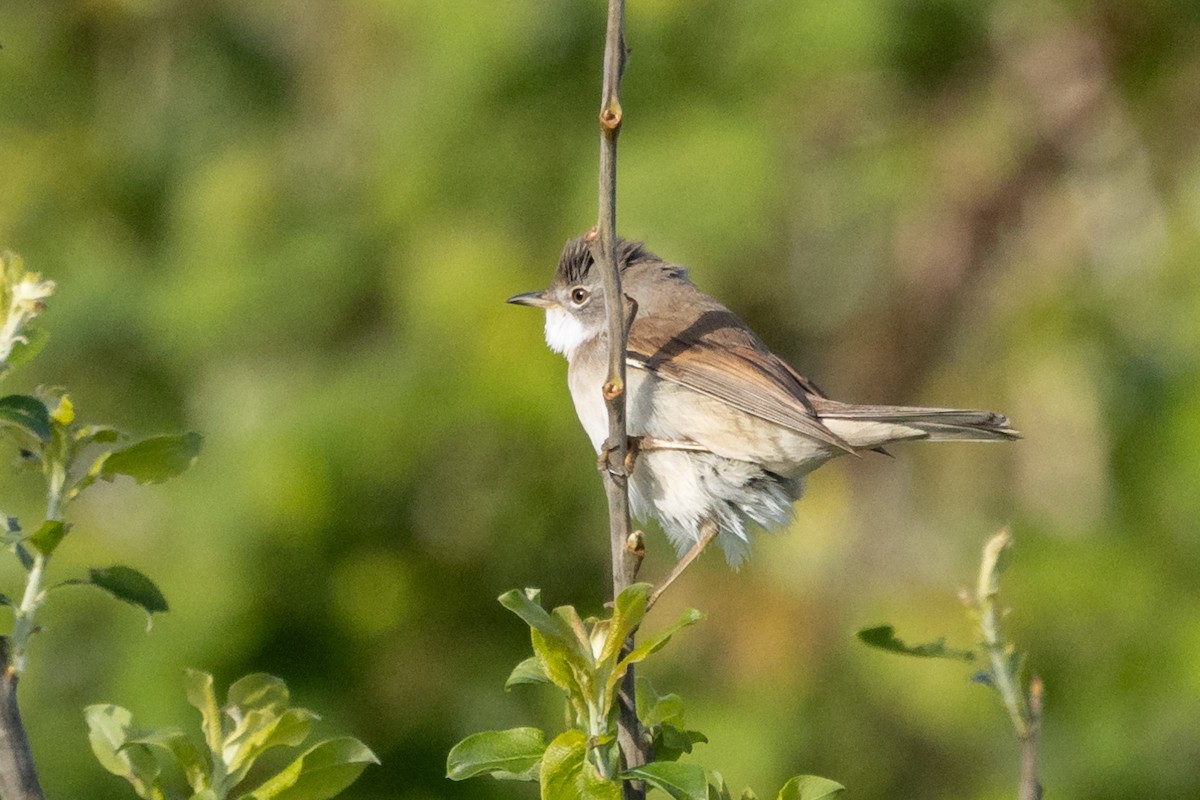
(579, 295)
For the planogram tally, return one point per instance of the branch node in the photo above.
(613, 390)
(1037, 692)
(635, 552)
(593, 233)
(610, 117)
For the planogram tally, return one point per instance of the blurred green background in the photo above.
(292, 225)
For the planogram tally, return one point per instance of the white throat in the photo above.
(564, 333)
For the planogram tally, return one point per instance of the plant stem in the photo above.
(18, 776)
(34, 594)
(989, 628)
(602, 241)
(1025, 712)
(23, 627)
(1030, 788)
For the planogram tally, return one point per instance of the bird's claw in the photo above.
(632, 448)
(605, 463)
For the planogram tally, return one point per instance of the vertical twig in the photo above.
(22, 297)
(602, 240)
(1030, 788)
(999, 653)
(1025, 711)
(18, 776)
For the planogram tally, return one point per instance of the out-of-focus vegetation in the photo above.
(292, 225)
(255, 720)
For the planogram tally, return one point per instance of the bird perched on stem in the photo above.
(723, 429)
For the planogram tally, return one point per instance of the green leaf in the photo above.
(651, 644)
(89, 477)
(528, 671)
(655, 642)
(628, 612)
(201, 696)
(565, 670)
(662, 717)
(35, 338)
(180, 748)
(292, 729)
(681, 781)
(12, 530)
(321, 772)
(718, 790)
(553, 627)
(48, 537)
(155, 459)
(126, 583)
(655, 709)
(97, 433)
(110, 729)
(671, 742)
(27, 414)
(810, 787)
(259, 731)
(560, 643)
(884, 638)
(567, 775)
(23, 556)
(513, 754)
(257, 692)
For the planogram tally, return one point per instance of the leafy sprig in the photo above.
(255, 718)
(585, 661)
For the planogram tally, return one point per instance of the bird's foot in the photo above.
(708, 531)
(634, 447)
(606, 458)
(606, 461)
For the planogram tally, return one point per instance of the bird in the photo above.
(723, 429)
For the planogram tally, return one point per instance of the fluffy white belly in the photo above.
(752, 473)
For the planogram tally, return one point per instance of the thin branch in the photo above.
(998, 651)
(1025, 710)
(18, 776)
(603, 243)
(1030, 788)
(24, 295)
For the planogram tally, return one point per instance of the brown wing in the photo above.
(717, 355)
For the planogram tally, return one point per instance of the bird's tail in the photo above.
(868, 427)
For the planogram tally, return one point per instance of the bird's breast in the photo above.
(586, 375)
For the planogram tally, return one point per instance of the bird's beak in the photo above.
(535, 299)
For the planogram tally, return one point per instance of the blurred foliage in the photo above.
(255, 719)
(586, 661)
(292, 226)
